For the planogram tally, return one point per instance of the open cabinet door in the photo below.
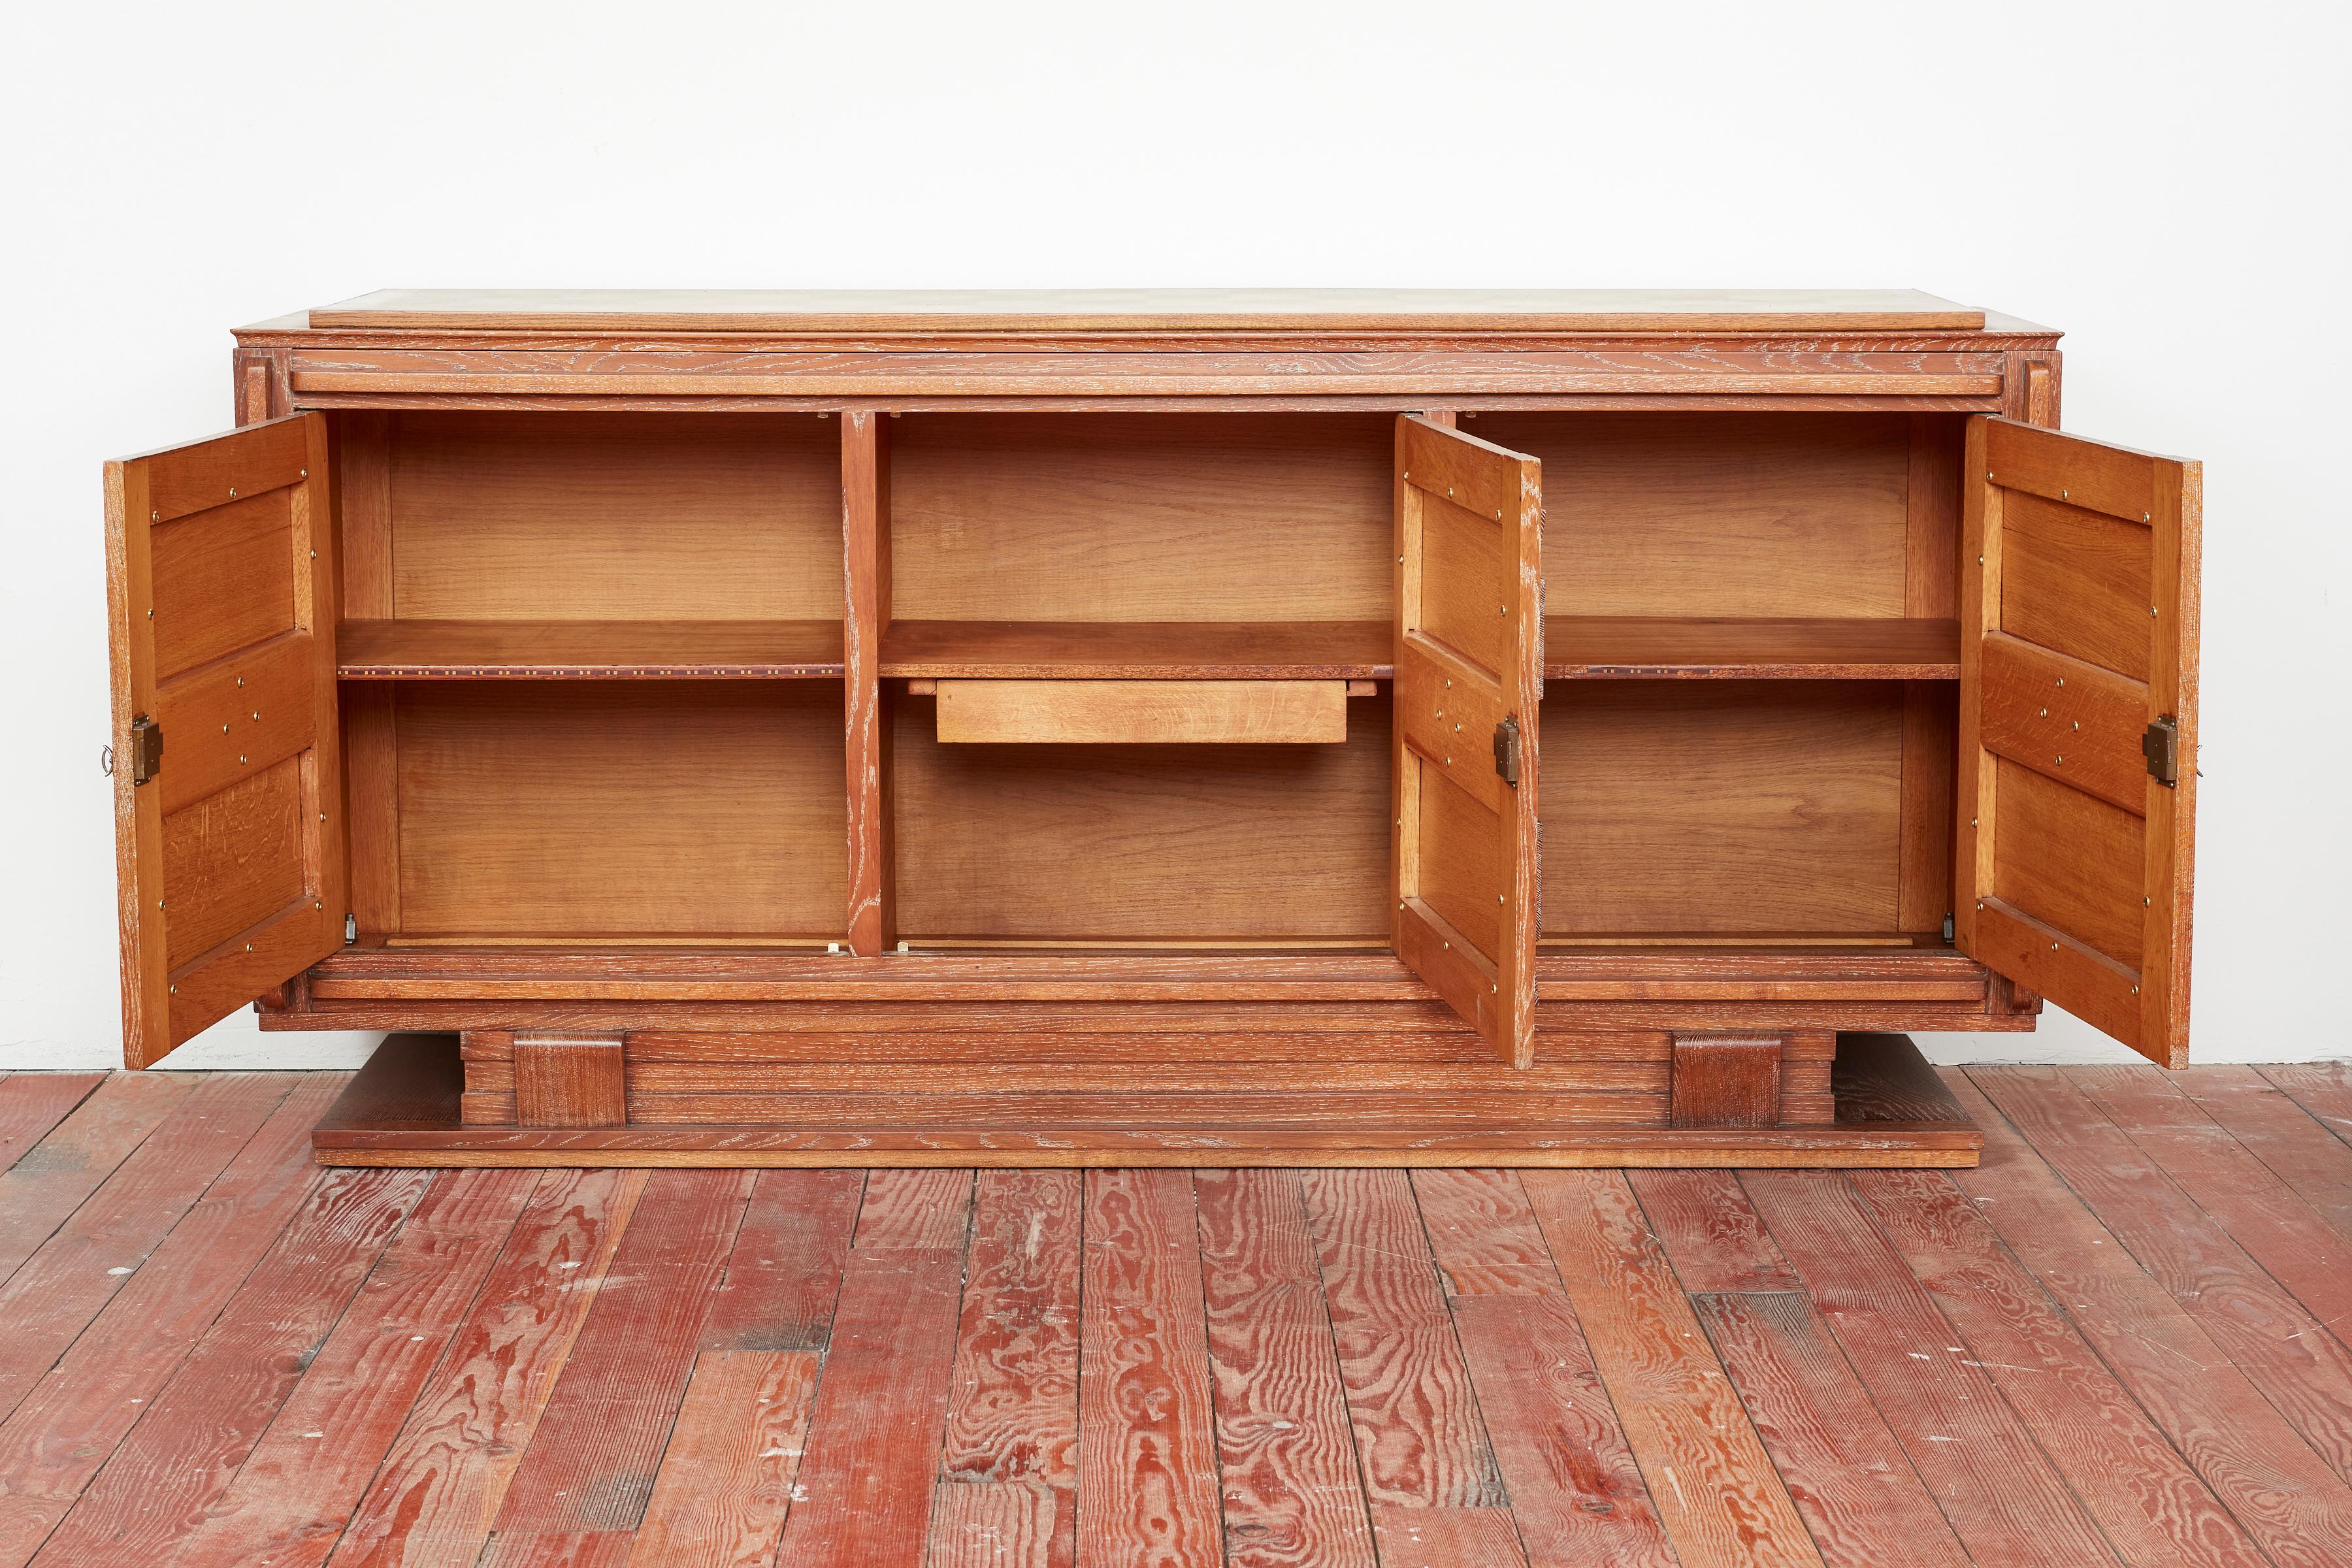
(1469, 681)
(2078, 726)
(228, 800)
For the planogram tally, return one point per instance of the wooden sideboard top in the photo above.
(952, 311)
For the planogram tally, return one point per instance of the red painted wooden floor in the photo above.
(2123, 1339)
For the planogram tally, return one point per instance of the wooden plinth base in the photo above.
(404, 1109)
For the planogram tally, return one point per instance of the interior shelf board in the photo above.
(561, 650)
(1604, 647)
(1140, 650)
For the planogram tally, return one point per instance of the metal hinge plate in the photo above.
(350, 928)
(2161, 747)
(146, 749)
(1506, 751)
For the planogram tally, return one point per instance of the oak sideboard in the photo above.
(1211, 727)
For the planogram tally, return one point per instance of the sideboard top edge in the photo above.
(1085, 312)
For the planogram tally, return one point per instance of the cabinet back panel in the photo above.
(1763, 808)
(1719, 514)
(1143, 843)
(621, 517)
(635, 808)
(1166, 517)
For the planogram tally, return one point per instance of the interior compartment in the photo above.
(617, 812)
(598, 800)
(1721, 807)
(1688, 515)
(1792, 582)
(1142, 846)
(591, 517)
(1747, 733)
(1269, 531)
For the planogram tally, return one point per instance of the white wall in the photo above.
(2167, 183)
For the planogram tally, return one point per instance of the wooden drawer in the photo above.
(1143, 712)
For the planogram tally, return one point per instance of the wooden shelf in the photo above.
(1622, 647)
(1140, 650)
(568, 650)
(1576, 647)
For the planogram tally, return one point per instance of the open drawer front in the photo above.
(1143, 712)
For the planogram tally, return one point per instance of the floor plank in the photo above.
(1418, 1436)
(926, 1210)
(1012, 1405)
(1483, 1233)
(726, 1480)
(2266, 1216)
(191, 1438)
(1708, 1477)
(296, 1488)
(48, 1181)
(1852, 1483)
(1994, 1482)
(559, 1549)
(101, 1246)
(1013, 1414)
(1147, 1445)
(1447, 1537)
(1710, 1232)
(437, 1493)
(785, 1272)
(2287, 1138)
(865, 1491)
(66, 1428)
(591, 1463)
(2299, 1365)
(1284, 1451)
(1574, 1486)
(994, 1524)
(2285, 1495)
(2149, 1504)
(33, 1102)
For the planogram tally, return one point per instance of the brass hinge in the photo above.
(146, 749)
(1506, 751)
(2161, 747)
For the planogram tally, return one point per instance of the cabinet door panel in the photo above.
(228, 798)
(2078, 726)
(1469, 672)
